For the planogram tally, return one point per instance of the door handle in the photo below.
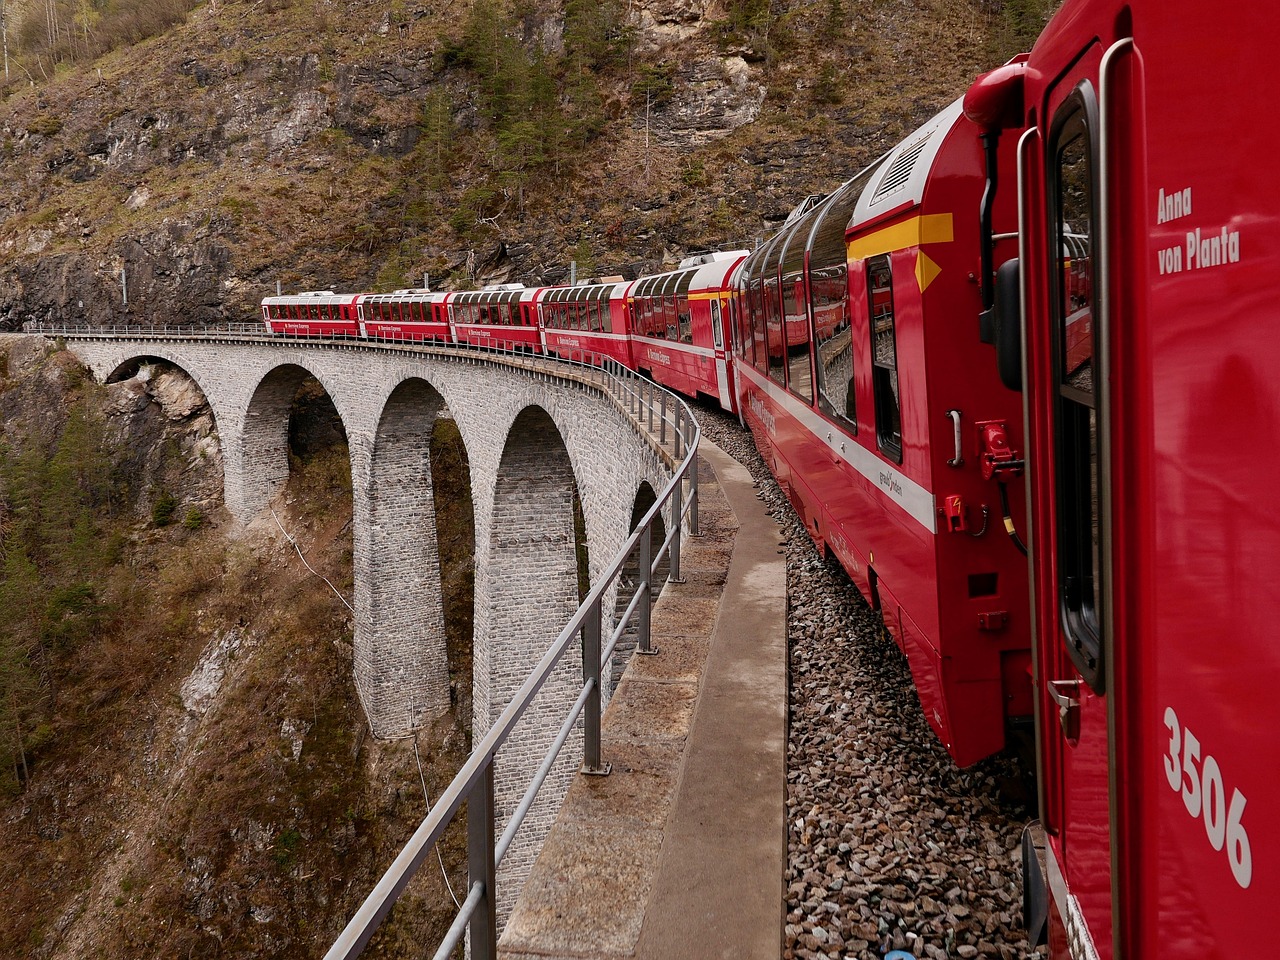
(1066, 694)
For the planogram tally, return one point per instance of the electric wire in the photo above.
(307, 565)
(427, 797)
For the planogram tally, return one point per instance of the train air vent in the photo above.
(899, 171)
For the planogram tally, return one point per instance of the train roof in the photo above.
(898, 178)
(310, 296)
(711, 272)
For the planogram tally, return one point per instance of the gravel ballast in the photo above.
(890, 845)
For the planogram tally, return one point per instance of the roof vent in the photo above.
(899, 172)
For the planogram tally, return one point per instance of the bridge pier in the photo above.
(401, 662)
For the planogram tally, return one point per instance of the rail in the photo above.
(650, 407)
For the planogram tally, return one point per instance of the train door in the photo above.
(722, 367)
(1077, 626)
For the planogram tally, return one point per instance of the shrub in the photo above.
(162, 510)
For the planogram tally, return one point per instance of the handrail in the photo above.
(644, 402)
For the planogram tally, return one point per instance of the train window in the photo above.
(686, 322)
(831, 325)
(776, 333)
(884, 357)
(796, 324)
(1079, 490)
(759, 325)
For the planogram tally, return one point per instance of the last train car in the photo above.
(866, 381)
(316, 313)
(1150, 272)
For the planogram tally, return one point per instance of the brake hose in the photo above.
(1008, 520)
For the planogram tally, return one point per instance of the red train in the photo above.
(1107, 395)
(1145, 290)
(874, 399)
(671, 326)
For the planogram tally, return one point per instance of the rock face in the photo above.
(715, 98)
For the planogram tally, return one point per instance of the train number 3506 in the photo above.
(1203, 792)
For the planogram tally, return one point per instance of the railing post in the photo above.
(662, 431)
(644, 639)
(652, 390)
(677, 509)
(591, 709)
(480, 866)
(693, 497)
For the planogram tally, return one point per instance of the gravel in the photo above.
(890, 845)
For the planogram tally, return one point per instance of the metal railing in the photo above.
(653, 410)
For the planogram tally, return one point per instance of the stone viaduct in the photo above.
(535, 431)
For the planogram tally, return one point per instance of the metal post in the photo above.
(652, 390)
(662, 431)
(644, 643)
(679, 432)
(591, 710)
(480, 866)
(677, 508)
(693, 497)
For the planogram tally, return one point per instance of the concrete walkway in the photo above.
(680, 852)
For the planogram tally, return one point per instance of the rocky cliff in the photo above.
(353, 144)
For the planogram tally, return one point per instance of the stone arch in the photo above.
(263, 442)
(526, 591)
(401, 659)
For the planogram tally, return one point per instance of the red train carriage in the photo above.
(870, 392)
(586, 319)
(418, 316)
(318, 313)
(678, 326)
(496, 316)
(1151, 252)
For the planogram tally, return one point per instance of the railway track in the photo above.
(890, 846)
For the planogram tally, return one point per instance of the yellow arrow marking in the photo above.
(926, 270)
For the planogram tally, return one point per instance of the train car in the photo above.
(317, 313)
(416, 316)
(586, 320)
(1149, 270)
(866, 382)
(679, 326)
(502, 315)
